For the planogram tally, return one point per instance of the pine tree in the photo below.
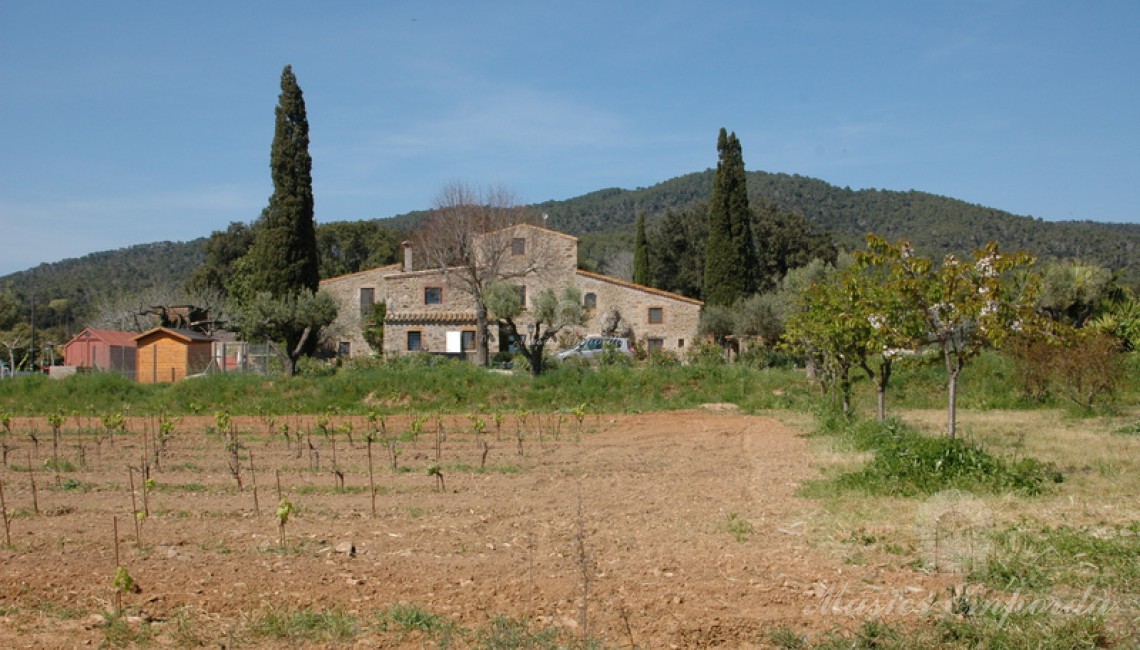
(641, 253)
(284, 258)
(730, 255)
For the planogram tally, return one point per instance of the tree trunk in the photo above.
(535, 358)
(881, 389)
(952, 411)
(482, 354)
(295, 353)
(845, 389)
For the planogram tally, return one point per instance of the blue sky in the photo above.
(132, 122)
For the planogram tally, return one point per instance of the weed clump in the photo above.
(909, 464)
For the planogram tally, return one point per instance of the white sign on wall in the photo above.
(454, 342)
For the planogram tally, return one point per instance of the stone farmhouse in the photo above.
(428, 309)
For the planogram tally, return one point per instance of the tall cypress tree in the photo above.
(283, 258)
(275, 284)
(640, 253)
(730, 254)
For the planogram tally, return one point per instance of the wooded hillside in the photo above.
(604, 220)
(936, 225)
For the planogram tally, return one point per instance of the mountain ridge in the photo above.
(604, 219)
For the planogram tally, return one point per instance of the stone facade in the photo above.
(355, 295)
(659, 320)
(429, 310)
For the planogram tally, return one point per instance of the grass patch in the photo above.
(312, 625)
(118, 632)
(993, 627)
(1039, 558)
(309, 488)
(408, 385)
(75, 485)
(411, 618)
(907, 463)
(404, 386)
(737, 526)
(170, 488)
(1132, 429)
(58, 465)
(503, 632)
(468, 468)
(407, 619)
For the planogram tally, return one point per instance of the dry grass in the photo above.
(1101, 468)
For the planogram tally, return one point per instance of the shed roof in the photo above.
(110, 337)
(185, 336)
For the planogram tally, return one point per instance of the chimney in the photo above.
(407, 256)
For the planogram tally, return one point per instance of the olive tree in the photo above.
(290, 324)
(549, 314)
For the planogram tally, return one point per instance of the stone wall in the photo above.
(679, 316)
(348, 326)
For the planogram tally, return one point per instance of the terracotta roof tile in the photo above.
(639, 287)
(430, 317)
(110, 337)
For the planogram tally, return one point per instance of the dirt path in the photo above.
(692, 532)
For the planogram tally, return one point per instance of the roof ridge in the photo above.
(641, 287)
(394, 265)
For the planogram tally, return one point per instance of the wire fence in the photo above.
(241, 357)
(123, 360)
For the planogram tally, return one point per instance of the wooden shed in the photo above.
(166, 354)
(107, 350)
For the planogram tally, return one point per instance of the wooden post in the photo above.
(35, 493)
(145, 477)
(253, 480)
(371, 485)
(4, 514)
(134, 510)
(118, 592)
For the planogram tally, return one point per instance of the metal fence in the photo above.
(240, 357)
(224, 357)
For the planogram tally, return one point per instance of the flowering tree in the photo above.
(853, 318)
(895, 329)
(963, 308)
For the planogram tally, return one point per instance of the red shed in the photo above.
(102, 350)
(167, 354)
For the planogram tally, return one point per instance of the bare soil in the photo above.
(644, 518)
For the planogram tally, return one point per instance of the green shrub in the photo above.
(760, 356)
(907, 463)
(707, 354)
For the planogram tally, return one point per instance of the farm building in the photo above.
(427, 309)
(106, 350)
(165, 354)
